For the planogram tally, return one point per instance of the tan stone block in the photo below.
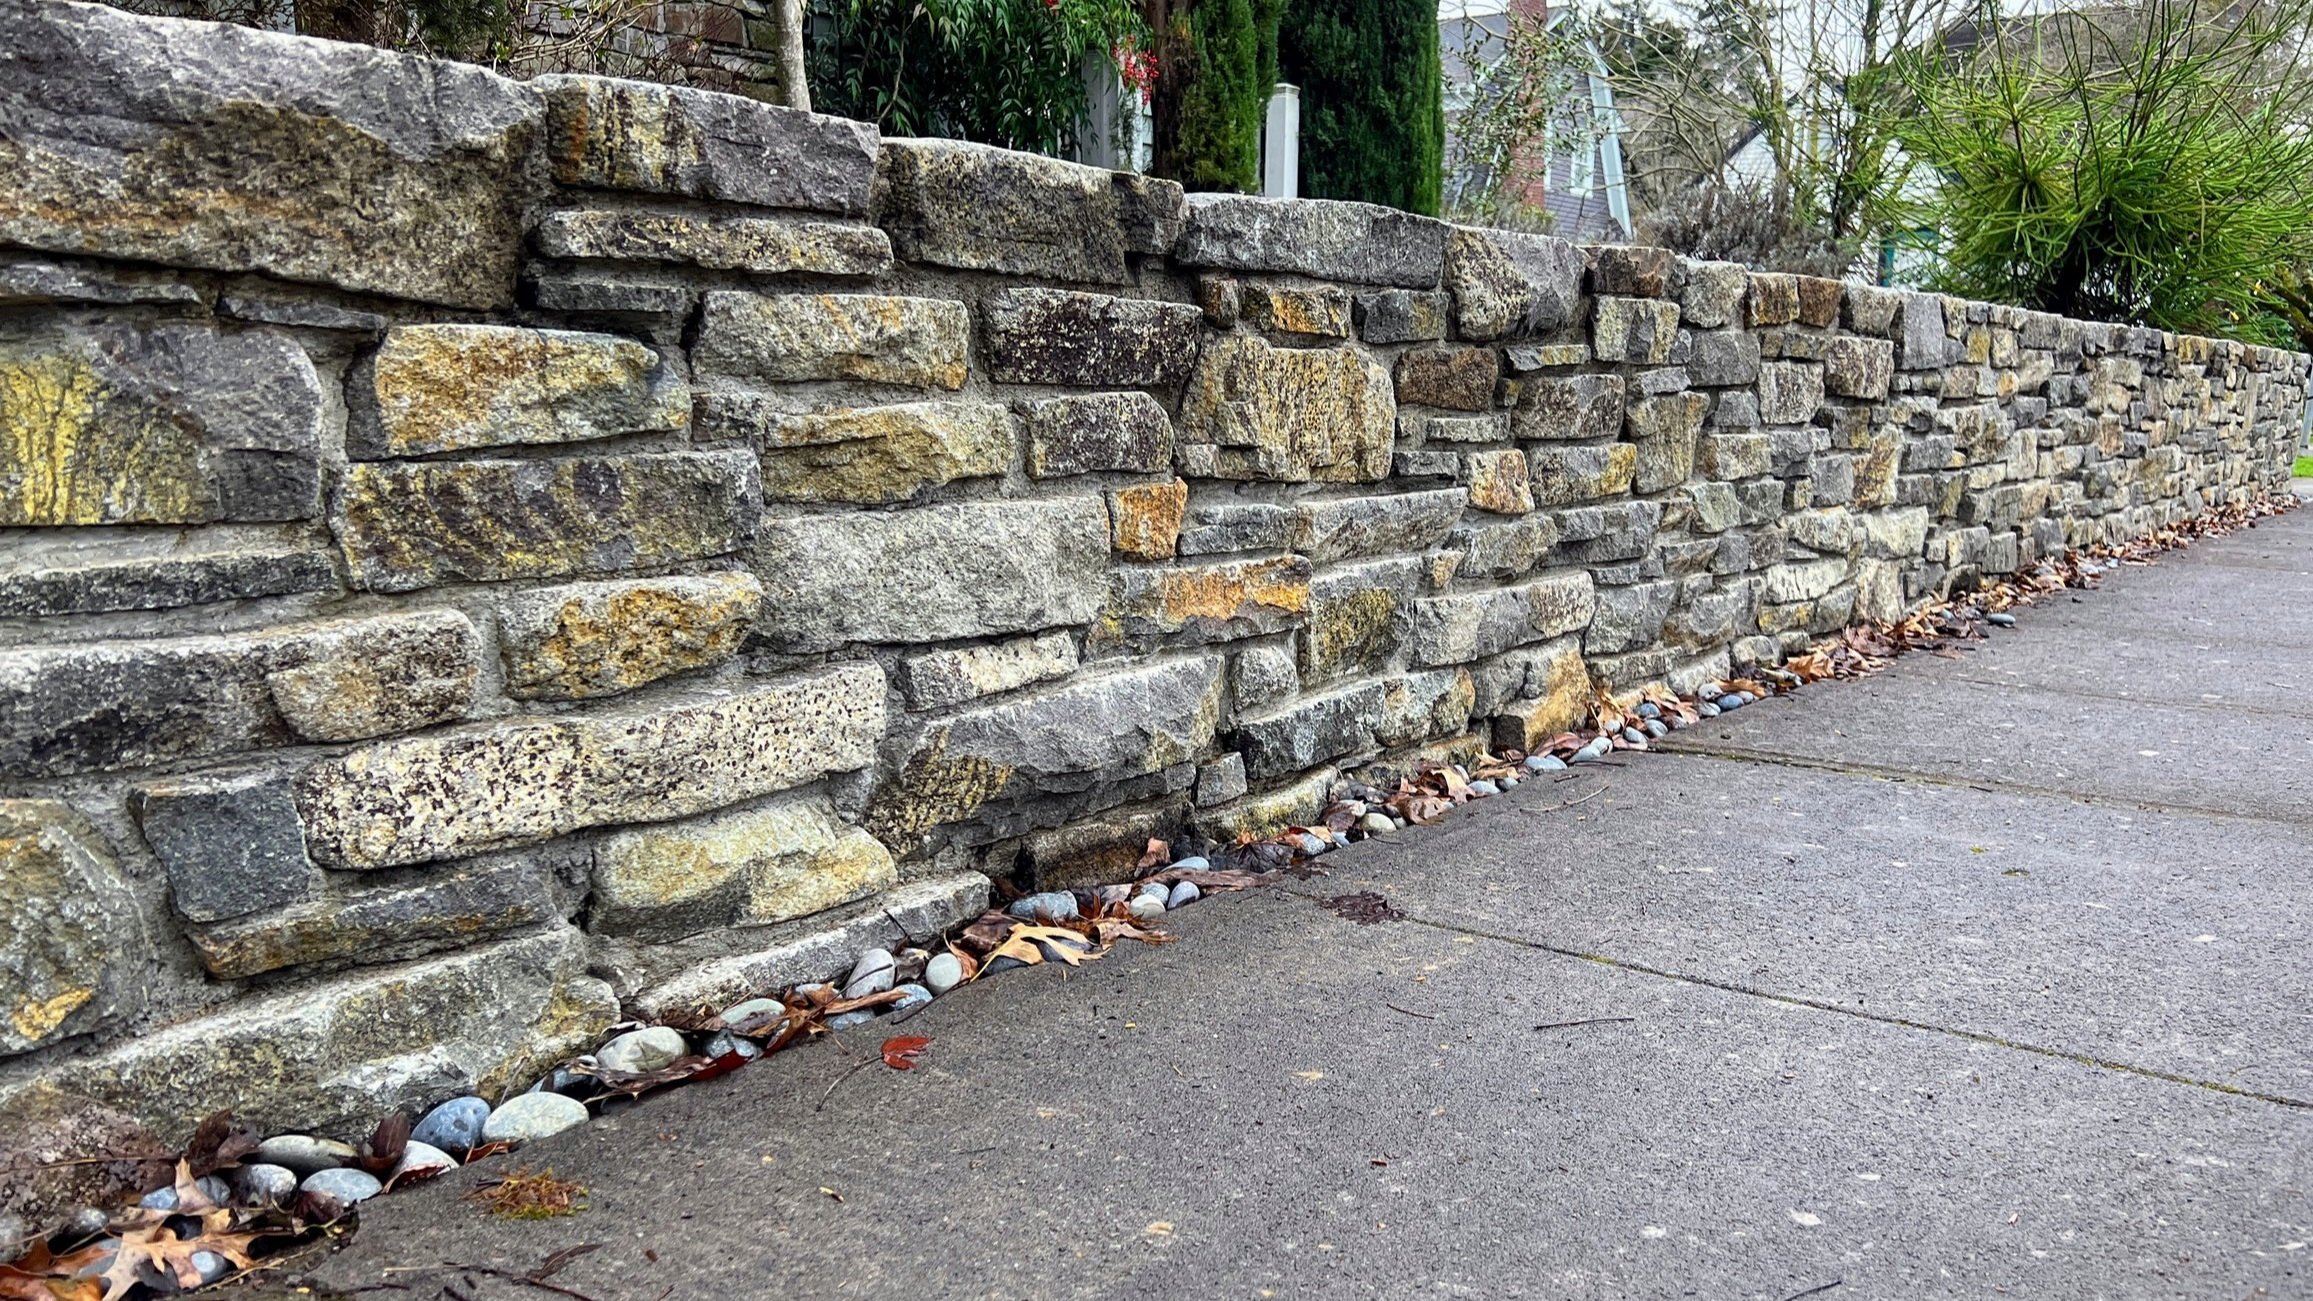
(597, 639)
(783, 860)
(1146, 519)
(875, 456)
(449, 388)
(1499, 482)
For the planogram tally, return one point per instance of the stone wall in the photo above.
(474, 555)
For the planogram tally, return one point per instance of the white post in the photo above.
(1281, 144)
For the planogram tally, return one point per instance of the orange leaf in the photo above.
(902, 1052)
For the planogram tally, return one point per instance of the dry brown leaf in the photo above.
(152, 1244)
(1022, 945)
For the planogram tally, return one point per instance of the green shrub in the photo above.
(1372, 117)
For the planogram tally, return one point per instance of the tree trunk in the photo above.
(797, 87)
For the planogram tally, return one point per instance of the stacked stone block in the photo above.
(582, 546)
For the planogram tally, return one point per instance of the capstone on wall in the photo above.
(479, 556)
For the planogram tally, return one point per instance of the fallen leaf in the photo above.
(1157, 855)
(1159, 1228)
(901, 1052)
(1023, 945)
(1309, 1075)
(152, 1244)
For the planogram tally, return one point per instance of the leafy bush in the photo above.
(1219, 60)
(1372, 114)
(1003, 72)
(1750, 224)
(2149, 165)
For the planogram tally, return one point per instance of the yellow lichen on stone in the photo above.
(602, 639)
(68, 457)
(1147, 518)
(879, 455)
(1499, 482)
(446, 388)
(37, 1018)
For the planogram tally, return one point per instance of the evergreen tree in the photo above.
(1217, 62)
(1373, 121)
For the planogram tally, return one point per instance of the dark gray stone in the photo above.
(74, 583)
(1219, 527)
(1052, 336)
(1357, 242)
(1402, 315)
(1310, 731)
(70, 280)
(956, 204)
(1724, 357)
(607, 292)
(448, 908)
(1571, 406)
(1095, 432)
(232, 845)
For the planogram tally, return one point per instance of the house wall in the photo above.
(478, 559)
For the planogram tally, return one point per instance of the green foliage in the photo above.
(1218, 96)
(1372, 118)
(1003, 72)
(2304, 467)
(2149, 166)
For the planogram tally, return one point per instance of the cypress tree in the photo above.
(1373, 121)
(1217, 61)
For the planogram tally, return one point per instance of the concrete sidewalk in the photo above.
(1982, 977)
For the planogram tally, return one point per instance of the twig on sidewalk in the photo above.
(524, 1279)
(1423, 1015)
(864, 1063)
(1813, 1290)
(1588, 1020)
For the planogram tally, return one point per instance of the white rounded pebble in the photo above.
(264, 1185)
(874, 973)
(532, 1115)
(638, 1051)
(1184, 893)
(303, 1154)
(754, 1014)
(1193, 863)
(1147, 907)
(345, 1185)
(422, 1156)
(943, 973)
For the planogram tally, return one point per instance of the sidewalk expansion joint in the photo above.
(1817, 1005)
(1851, 768)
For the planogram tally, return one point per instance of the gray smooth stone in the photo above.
(533, 1116)
(303, 1154)
(346, 1185)
(453, 1126)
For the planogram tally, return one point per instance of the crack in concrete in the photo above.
(1882, 1018)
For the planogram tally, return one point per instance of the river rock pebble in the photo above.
(1183, 894)
(1057, 905)
(453, 1126)
(1110, 895)
(1707, 709)
(1649, 709)
(2001, 620)
(943, 973)
(15, 1238)
(908, 964)
(532, 1116)
(1730, 701)
(1596, 750)
(846, 1020)
(261, 1184)
(1656, 728)
(1544, 763)
(1193, 863)
(165, 1199)
(1147, 907)
(303, 1154)
(1310, 845)
(422, 1156)
(648, 1049)
(344, 1185)
(912, 995)
(754, 1014)
(1372, 824)
(723, 1043)
(872, 974)
(1484, 789)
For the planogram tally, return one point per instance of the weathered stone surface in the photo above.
(1151, 210)
(1737, 456)
(1310, 731)
(1506, 549)
(1724, 357)
(230, 843)
(872, 455)
(1789, 392)
(54, 1146)
(1192, 605)
(1870, 309)
(1510, 283)
(1292, 414)
(1458, 379)
(1802, 581)
(1619, 531)
(1421, 706)
(1319, 312)
(1573, 406)
(1266, 813)
(521, 781)
(1055, 336)
(1220, 780)
(1714, 292)
(26, 280)
(450, 388)
(1490, 428)
(867, 337)
(446, 910)
(939, 679)
(1528, 358)
(1819, 299)
(1773, 299)
(1545, 691)
(1218, 526)
(1467, 626)
(1832, 532)
(1262, 675)
(1403, 315)
(1100, 850)
(164, 424)
(1922, 343)
(1633, 270)
(1357, 242)
(1359, 616)
(1155, 716)
(1343, 527)
(329, 1058)
(70, 936)
(594, 291)
(658, 139)
(966, 569)
(585, 640)
(782, 860)
(762, 245)
(956, 204)
(1641, 331)
(1665, 430)
(124, 704)
(1094, 432)
(1711, 619)
(1858, 368)
(126, 576)
(1498, 482)
(1145, 519)
(1570, 476)
(1628, 617)
(382, 172)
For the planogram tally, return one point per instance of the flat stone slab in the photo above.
(1291, 1103)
